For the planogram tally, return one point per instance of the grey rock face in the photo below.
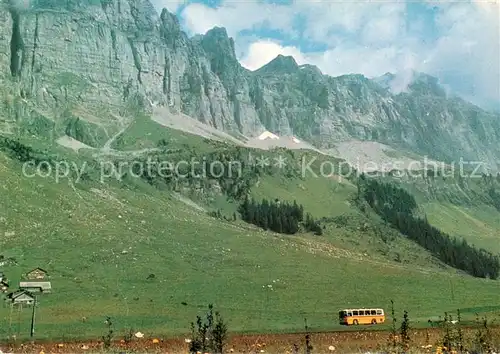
(92, 54)
(93, 60)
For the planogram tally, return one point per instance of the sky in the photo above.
(458, 42)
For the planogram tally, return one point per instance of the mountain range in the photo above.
(81, 68)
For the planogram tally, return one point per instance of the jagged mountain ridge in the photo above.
(71, 61)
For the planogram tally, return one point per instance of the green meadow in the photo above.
(151, 258)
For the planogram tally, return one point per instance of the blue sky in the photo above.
(456, 41)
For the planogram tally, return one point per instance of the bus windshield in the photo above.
(342, 314)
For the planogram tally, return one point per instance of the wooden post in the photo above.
(32, 334)
(19, 310)
(10, 319)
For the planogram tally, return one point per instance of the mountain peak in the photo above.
(217, 42)
(280, 64)
(422, 83)
(170, 21)
(217, 32)
(312, 68)
(410, 80)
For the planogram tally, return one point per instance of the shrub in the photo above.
(107, 338)
(405, 332)
(208, 336)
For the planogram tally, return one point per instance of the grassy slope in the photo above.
(79, 232)
(145, 133)
(478, 225)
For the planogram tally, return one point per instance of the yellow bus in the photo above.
(361, 316)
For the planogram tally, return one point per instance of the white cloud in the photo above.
(343, 60)
(324, 17)
(262, 52)
(338, 61)
(470, 49)
(199, 18)
(237, 16)
(386, 25)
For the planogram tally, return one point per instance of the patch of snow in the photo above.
(267, 135)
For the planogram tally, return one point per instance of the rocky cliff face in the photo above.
(77, 67)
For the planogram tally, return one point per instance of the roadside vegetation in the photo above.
(211, 334)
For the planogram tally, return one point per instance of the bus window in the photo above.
(379, 312)
(355, 313)
(373, 312)
(349, 314)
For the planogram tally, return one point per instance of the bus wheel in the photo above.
(374, 321)
(355, 322)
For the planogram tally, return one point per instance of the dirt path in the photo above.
(107, 146)
(361, 341)
(107, 150)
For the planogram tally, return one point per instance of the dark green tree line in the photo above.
(278, 216)
(23, 153)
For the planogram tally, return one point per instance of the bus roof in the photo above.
(363, 308)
